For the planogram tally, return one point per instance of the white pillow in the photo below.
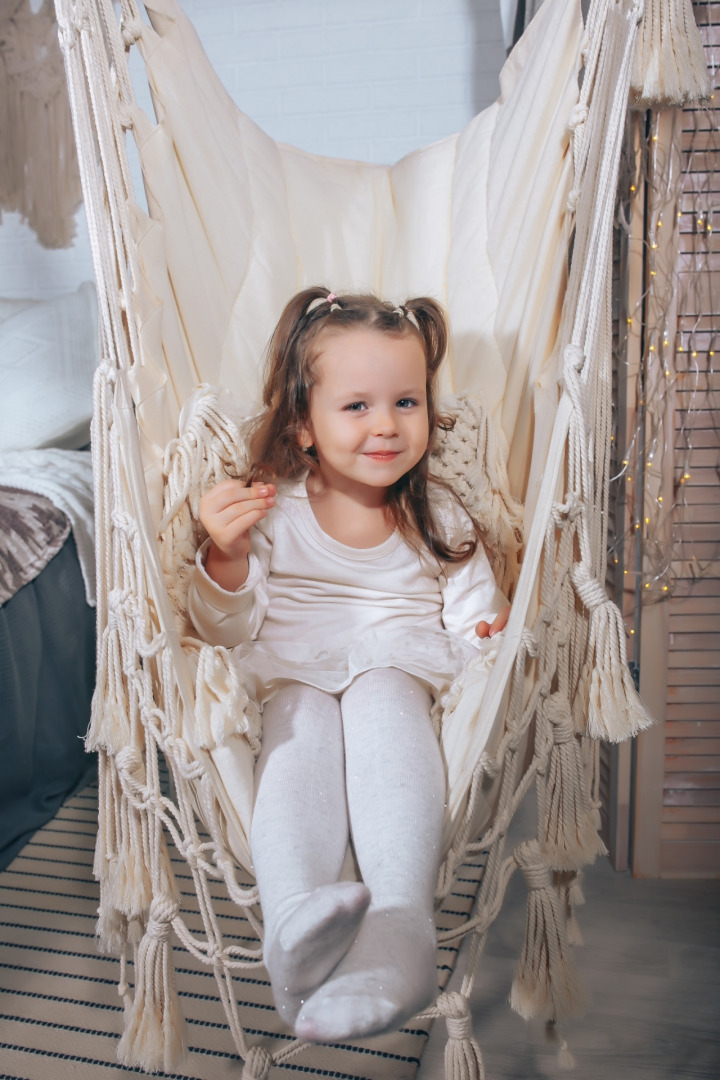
(48, 353)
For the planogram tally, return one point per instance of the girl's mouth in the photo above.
(383, 455)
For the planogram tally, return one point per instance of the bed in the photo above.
(48, 350)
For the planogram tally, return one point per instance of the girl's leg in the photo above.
(396, 800)
(299, 837)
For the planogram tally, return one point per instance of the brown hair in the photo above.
(274, 451)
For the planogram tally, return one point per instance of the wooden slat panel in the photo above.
(698, 677)
(691, 831)
(681, 728)
(687, 694)
(687, 763)
(682, 642)
(696, 659)
(693, 781)
(691, 744)
(699, 814)
(691, 797)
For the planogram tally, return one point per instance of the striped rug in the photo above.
(60, 1015)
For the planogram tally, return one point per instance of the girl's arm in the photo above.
(227, 598)
(473, 606)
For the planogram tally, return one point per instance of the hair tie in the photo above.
(329, 299)
(405, 314)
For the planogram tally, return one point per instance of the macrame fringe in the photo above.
(154, 1036)
(546, 983)
(257, 1064)
(565, 1058)
(569, 835)
(669, 66)
(109, 727)
(614, 709)
(463, 1059)
(571, 896)
(222, 706)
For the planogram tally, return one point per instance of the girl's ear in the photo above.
(305, 438)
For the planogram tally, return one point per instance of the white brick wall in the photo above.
(367, 79)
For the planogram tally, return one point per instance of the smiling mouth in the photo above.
(383, 455)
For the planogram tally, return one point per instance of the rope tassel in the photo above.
(463, 1060)
(154, 1036)
(546, 983)
(669, 67)
(615, 711)
(569, 837)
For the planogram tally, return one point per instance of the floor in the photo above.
(651, 961)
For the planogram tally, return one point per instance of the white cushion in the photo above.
(48, 353)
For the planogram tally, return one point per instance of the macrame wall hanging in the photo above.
(39, 174)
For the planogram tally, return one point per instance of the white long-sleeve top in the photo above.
(313, 609)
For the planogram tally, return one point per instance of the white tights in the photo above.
(348, 958)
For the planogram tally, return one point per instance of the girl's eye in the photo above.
(356, 406)
(406, 403)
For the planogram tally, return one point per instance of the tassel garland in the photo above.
(546, 983)
(669, 66)
(569, 836)
(154, 1036)
(615, 711)
(463, 1060)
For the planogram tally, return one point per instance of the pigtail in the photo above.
(274, 452)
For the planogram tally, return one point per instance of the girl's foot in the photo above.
(388, 976)
(311, 940)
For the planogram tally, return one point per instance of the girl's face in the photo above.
(368, 415)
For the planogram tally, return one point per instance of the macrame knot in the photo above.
(257, 1064)
(573, 358)
(129, 764)
(578, 116)
(569, 510)
(588, 588)
(162, 912)
(463, 1060)
(124, 115)
(131, 30)
(535, 870)
(560, 717)
(455, 1010)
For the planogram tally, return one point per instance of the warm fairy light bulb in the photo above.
(686, 476)
(625, 461)
(647, 521)
(647, 584)
(652, 347)
(632, 631)
(660, 498)
(694, 352)
(633, 188)
(625, 571)
(665, 588)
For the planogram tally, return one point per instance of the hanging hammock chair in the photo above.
(189, 293)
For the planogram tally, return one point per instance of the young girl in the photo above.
(351, 587)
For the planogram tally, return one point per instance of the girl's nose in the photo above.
(385, 425)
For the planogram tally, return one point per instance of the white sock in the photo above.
(396, 797)
(299, 837)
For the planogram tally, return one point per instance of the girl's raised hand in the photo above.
(228, 511)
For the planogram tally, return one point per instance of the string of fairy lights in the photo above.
(667, 430)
